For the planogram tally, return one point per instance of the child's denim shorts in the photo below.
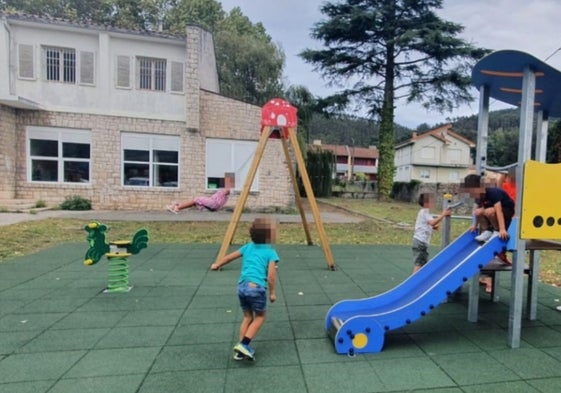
(253, 297)
(420, 252)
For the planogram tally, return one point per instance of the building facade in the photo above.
(437, 156)
(127, 119)
(350, 160)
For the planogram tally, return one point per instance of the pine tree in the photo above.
(387, 50)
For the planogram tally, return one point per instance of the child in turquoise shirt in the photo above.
(258, 273)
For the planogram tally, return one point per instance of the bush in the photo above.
(405, 192)
(76, 202)
(40, 204)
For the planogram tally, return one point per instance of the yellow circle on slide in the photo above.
(360, 340)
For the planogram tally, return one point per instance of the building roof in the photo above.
(90, 25)
(502, 71)
(442, 133)
(344, 150)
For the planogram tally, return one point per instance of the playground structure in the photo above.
(279, 121)
(117, 252)
(359, 326)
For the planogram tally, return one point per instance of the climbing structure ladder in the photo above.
(278, 121)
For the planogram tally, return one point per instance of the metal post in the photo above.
(480, 163)
(482, 131)
(540, 155)
(524, 149)
(446, 222)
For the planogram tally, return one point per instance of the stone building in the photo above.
(127, 119)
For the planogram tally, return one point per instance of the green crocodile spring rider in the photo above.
(116, 252)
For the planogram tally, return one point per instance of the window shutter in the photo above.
(87, 68)
(123, 71)
(177, 76)
(26, 63)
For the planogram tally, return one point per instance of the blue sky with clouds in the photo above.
(532, 26)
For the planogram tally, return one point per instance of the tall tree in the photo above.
(554, 143)
(94, 10)
(206, 13)
(250, 64)
(306, 104)
(386, 50)
(502, 147)
(128, 14)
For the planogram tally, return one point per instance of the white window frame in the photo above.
(150, 143)
(62, 67)
(61, 136)
(151, 71)
(230, 156)
(424, 173)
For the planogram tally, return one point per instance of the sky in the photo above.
(532, 26)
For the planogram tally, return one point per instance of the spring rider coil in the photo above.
(117, 252)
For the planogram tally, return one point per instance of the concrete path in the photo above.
(163, 215)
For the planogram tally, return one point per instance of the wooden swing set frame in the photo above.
(278, 121)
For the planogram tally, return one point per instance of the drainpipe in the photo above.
(11, 59)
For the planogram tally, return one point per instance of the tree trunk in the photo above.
(387, 144)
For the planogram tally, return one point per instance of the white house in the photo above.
(128, 119)
(437, 156)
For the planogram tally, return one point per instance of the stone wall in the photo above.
(7, 152)
(439, 190)
(105, 189)
(225, 118)
(207, 115)
(220, 118)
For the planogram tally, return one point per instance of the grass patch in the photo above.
(389, 223)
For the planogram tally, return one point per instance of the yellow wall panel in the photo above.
(541, 201)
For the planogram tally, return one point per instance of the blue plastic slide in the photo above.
(359, 325)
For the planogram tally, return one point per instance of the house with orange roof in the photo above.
(350, 160)
(437, 156)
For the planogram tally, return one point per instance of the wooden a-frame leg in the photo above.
(297, 192)
(311, 199)
(244, 194)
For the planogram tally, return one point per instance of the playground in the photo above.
(165, 322)
(175, 329)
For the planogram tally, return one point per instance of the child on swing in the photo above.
(213, 203)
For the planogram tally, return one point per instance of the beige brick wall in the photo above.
(106, 191)
(7, 152)
(208, 115)
(225, 118)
